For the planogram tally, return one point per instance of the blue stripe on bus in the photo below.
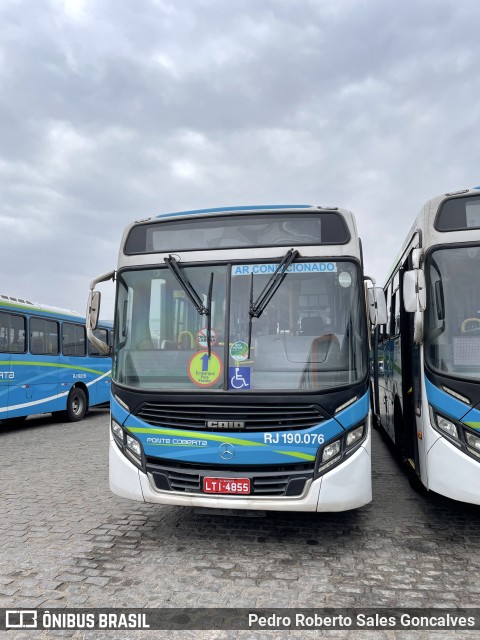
(273, 447)
(355, 413)
(444, 402)
(271, 207)
(119, 414)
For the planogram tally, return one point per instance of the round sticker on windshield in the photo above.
(344, 279)
(202, 338)
(204, 370)
(239, 351)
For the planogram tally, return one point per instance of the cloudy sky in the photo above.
(114, 110)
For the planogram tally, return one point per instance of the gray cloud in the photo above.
(111, 111)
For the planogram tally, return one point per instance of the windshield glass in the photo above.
(311, 334)
(161, 339)
(453, 311)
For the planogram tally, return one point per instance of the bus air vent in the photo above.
(256, 417)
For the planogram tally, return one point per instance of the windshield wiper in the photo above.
(193, 296)
(260, 304)
(258, 307)
(209, 316)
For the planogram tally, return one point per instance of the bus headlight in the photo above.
(117, 431)
(134, 447)
(355, 436)
(456, 432)
(443, 424)
(473, 442)
(128, 445)
(330, 451)
(447, 426)
(335, 452)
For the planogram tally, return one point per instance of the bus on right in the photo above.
(427, 357)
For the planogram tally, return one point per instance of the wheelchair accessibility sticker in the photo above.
(239, 377)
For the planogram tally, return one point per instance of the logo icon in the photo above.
(21, 619)
(226, 451)
(225, 424)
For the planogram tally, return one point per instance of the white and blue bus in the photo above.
(45, 365)
(239, 375)
(427, 393)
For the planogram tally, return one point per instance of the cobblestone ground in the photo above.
(65, 540)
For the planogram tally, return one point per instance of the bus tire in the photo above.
(398, 427)
(76, 404)
(415, 483)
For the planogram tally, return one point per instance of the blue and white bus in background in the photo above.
(240, 375)
(45, 365)
(427, 398)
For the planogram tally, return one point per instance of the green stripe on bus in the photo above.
(297, 454)
(474, 425)
(49, 364)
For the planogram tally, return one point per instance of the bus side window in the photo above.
(43, 337)
(73, 339)
(12, 333)
(3, 331)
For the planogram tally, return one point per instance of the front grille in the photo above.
(280, 480)
(257, 417)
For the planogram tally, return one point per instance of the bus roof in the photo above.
(424, 224)
(26, 305)
(267, 207)
(140, 256)
(9, 303)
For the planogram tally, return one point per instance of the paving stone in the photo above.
(70, 542)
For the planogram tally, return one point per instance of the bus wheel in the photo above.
(76, 404)
(398, 428)
(415, 483)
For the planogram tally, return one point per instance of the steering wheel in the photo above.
(466, 329)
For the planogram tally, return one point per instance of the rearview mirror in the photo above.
(377, 306)
(93, 309)
(414, 291)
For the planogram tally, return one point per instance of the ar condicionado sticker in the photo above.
(203, 370)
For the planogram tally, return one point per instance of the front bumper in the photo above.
(347, 486)
(452, 473)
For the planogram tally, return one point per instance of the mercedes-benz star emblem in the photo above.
(226, 451)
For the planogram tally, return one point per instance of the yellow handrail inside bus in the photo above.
(463, 328)
(190, 335)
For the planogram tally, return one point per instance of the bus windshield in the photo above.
(453, 315)
(310, 336)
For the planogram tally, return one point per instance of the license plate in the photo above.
(226, 485)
